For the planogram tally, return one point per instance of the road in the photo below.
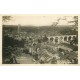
(25, 59)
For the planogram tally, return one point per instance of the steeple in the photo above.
(18, 28)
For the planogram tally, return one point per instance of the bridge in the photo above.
(61, 39)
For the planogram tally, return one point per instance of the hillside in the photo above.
(48, 30)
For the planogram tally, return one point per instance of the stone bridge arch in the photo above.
(61, 39)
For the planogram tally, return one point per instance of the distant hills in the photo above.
(43, 30)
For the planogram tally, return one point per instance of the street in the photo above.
(25, 59)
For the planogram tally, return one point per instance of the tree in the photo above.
(45, 39)
(6, 18)
(39, 40)
(75, 21)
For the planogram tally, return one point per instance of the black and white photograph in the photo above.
(39, 39)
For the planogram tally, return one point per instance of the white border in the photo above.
(39, 72)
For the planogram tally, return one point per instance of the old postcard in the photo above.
(40, 39)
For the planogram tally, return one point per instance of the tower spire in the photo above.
(18, 28)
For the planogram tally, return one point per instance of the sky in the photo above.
(39, 20)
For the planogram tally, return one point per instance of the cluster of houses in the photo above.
(34, 47)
